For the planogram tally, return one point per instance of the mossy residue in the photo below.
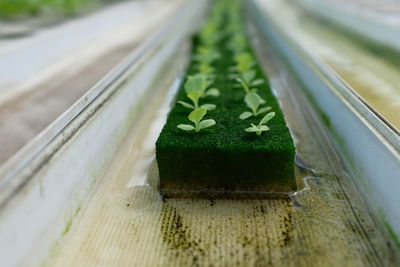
(179, 229)
(392, 233)
(177, 235)
(389, 229)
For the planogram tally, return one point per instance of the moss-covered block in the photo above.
(225, 158)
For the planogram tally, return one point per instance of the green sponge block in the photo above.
(224, 158)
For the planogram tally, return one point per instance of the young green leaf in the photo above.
(262, 101)
(238, 42)
(245, 115)
(253, 101)
(257, 82)
(248, 76)
(252, 129)
(206, 123)
(258, 129)
(244, 85)
(199, 83)
(246, 79)
(206, 55)
(244, 57)
(244, 62)
(208, 106)
(267, 118)
(186, 105)
(196, 117)
(205, 68)
(186, 127)
(195, 83)
(212, 92)
(244, 66)
(209, 34)
(263, 110)
(195, 96)
(193, 86)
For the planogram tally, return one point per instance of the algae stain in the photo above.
(389, 229)
(287, 231)
(392, 233)
(67, 227)
(70, 220)
(176, 235)
(173, 231)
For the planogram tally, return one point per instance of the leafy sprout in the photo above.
(237, 42)
(244, 62)
(246, 79)
(258, 129)
(200, 83)
(206, 55)
(253, 101)
(195, 96)
(196, 117)
(206, 69)
(209, 34)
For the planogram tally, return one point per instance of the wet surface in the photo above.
(127, 223)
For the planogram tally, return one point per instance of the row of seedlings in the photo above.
(245, 74)
(227, 159)
(198, 86)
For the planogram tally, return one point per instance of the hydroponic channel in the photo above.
(85, 192)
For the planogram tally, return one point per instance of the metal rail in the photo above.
(369, 148)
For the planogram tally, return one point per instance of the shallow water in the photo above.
(127, 223)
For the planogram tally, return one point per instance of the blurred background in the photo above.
(19, 9)
(53, 51)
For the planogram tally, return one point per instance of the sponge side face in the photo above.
(221, 170)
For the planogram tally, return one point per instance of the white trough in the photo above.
(43, 186)
(373, 24)
(369, 147)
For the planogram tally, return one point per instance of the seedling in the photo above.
(209, 34)
(206, 55)
(244, 62)
(195, 96)
(238, 41)
(253, 101)
(196, 117)
(247, 80)
(245, 56)
(200, 83)
(206, 69)
(258, 129)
